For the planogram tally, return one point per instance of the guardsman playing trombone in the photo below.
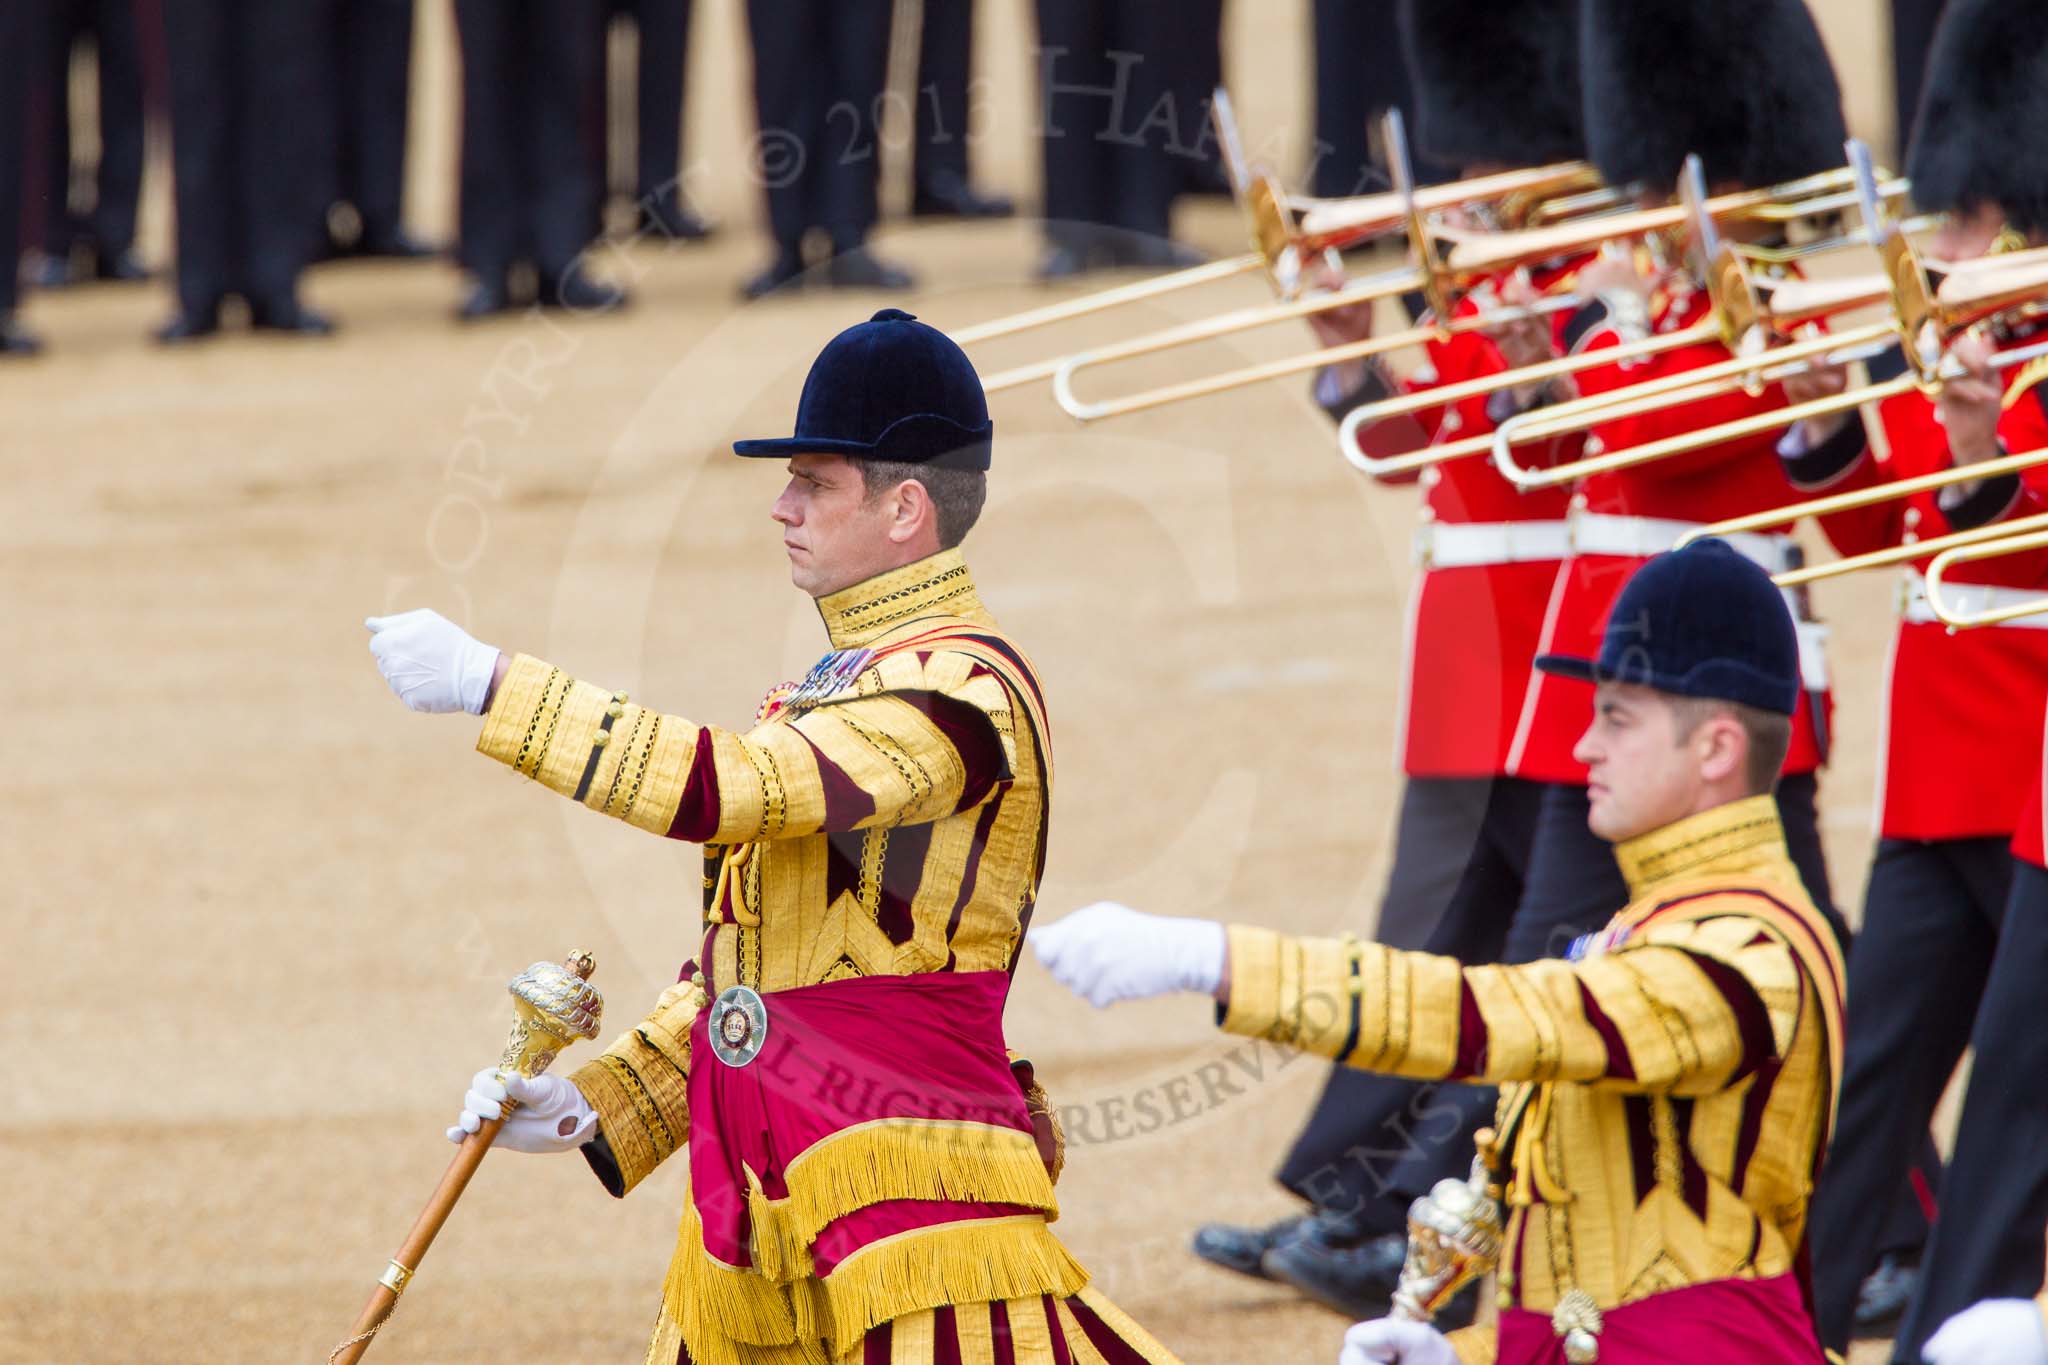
(1495, 90)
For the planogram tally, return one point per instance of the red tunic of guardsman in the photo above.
(871, 1175)
(1667, 1089)
(1494, 90)
(1953, 766)
(1781, 120)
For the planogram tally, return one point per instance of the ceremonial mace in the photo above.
(556, 1005)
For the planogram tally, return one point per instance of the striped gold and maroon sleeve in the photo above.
(639, 1087)
(1685, 1017)
(927, 741)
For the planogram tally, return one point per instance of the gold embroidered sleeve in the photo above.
(892, 757)
(589, 744)
(1653, 1018)
(638, 1085)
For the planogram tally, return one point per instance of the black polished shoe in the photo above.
(784, 275)
(1882, 1299)
(1062, 261)
(45, 271)
(1241, 1248)
(394, 244)
(486, 298)
(1354, 1277)
(186, 325)
(119, 267)
(948, 196)
(665, 218)
(858, 268)
(289, 317)
(15, 339)
(578, 293)
(1136, 251)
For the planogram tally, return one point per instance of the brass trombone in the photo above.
(1441, 276)
(2028, 533)
(1924, 320)
(1288, 231)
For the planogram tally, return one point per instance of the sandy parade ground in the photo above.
(259, 917)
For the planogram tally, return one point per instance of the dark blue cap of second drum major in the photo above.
(1698, 622)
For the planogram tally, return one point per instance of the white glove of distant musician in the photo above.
(432, 663)
(552, 1115)
(1390, 1341)
(1107, 952)
(1994, 1332)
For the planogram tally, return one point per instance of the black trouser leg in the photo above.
(283, 159)
(1461, 850)
(204, 171)
(375, 96)
(48, 92)
(1994, 1202)
(790, 105)
(121, 127)
(1353, 42)
(1198, 70)
(17, 63)
(945, 64)
(1077, 81)
(1146, 155)
(664, 30)
(557, 188)
(1916, 972)
(859, 44)
(490, 123)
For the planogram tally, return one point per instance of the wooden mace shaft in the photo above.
(407, 1262)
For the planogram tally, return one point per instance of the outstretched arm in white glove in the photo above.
(1107, 952)
(1390, 1341)
(432, 663)
(1994, 1332)
(551, 1113)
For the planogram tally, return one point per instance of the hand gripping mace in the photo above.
(556, 1005)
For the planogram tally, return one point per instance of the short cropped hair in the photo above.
(957, 494)
(1769, 734)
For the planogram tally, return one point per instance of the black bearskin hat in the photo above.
(1746, 84)
(1981, 136)
(1494, 83)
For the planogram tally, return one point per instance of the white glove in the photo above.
(1390, 1341)
(552, 1115)
(432, 663)
(1107, 952)
(1994, 1332)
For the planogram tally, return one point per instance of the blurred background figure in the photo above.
(17, 28)
(820, 67)
(662, 31)
(87, 209)
(372, 52)
(1359, 76)
(941, 186)
(1198, 67)
(529, 187)
(1110, 131)
(246, 160)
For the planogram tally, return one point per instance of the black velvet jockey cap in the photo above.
(1981, 136)
(890, 388)
(1493, 82)
(1698, 622)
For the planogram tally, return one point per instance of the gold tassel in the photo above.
(957, 1263)
(887, 1159)
(713, 1302)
